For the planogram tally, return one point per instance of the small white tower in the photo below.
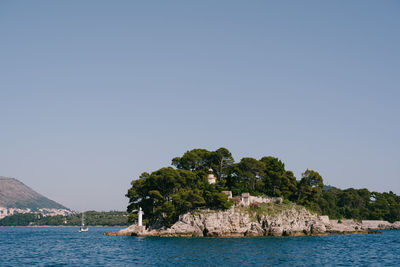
(140, 217)
(211, 176)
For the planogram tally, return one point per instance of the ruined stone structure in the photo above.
(246, 199)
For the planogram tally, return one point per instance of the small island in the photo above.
(207, 194)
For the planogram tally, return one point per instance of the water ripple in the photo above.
(64, 246)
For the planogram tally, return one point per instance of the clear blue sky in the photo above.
(93, 93)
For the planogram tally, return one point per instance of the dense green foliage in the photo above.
(110, 218)
(19, 219)
(359, 204)
(169, 192)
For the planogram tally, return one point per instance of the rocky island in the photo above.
(207, 194)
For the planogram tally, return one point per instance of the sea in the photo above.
(65, 246)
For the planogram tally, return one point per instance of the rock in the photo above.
(183, 229)
(318, 228)
(131, 230)
(243, 221)
(276, 230)
(325, 219)
(255, 230)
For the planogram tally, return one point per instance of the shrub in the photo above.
(236, 200)
(254, 205)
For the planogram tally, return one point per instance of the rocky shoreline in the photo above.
(291, 220)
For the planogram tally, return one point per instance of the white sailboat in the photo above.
(83, 227)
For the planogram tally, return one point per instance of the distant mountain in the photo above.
(15, 194)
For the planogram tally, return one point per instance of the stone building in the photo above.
(245, 199)
(211, 177)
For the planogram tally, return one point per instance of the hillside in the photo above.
(15, 194)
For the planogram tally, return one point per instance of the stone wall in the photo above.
(247, 199)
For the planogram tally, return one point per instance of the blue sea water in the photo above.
(58, 246)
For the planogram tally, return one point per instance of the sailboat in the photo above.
(83, 228)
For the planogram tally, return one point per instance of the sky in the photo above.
(93, 93)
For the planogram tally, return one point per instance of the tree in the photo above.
(289, 185)
(277, 181)
(251, 171)
(188, 199)
(193, 160)
(219, 160)
(234, 180)
(310, 187)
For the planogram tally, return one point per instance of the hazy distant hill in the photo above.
(15, 194)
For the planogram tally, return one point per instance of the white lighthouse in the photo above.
(140, 217)
(211, 177)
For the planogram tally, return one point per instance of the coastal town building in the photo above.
(54, 212)
(4, 212)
